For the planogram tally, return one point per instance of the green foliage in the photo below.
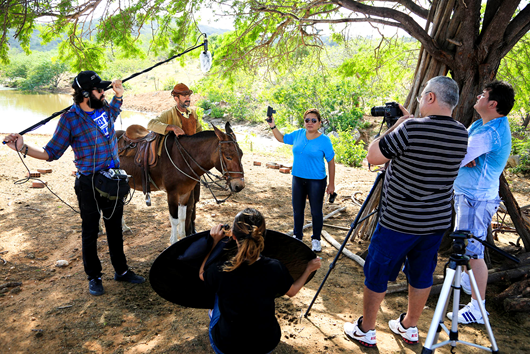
(521, 147)
(347, 151)
(384, 69)
(34, 72)
(121, 68)
(168, 84)
(515, 68)
(238, 100)
(335, 98)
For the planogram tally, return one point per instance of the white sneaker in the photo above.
(409, 335)
(465, 283)
(316, 246)
(353, 332)
(468, 314)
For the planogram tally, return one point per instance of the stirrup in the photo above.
(148, 199)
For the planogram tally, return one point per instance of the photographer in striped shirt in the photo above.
(423, 156)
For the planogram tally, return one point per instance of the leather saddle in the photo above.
(145, 143)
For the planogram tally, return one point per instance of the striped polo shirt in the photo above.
(425, 156)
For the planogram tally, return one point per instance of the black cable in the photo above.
(27, 179)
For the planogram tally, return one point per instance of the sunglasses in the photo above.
(98, 89)
(312, 120)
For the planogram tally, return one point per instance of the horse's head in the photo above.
(230, 164)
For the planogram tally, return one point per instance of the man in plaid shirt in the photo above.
(88, 127)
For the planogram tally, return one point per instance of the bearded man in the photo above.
(181, 120)
(88, 127)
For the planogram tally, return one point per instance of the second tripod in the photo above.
(457, 260)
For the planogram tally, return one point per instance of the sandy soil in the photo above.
(51, 311)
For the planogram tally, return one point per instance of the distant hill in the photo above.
(212, 30)
(35, 42)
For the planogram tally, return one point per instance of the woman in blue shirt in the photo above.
(310, 148)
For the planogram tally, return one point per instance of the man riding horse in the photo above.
(180, 120)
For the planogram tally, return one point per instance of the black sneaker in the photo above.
(129, 277)
(95, 287)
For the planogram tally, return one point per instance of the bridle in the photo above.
(213, 178)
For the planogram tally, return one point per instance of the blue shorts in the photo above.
(474, 216)
(388, 251)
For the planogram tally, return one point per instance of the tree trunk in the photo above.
(471, 75)
(521, 225)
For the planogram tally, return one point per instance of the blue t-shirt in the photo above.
(99, 116)
(489, 145)
(308, 155)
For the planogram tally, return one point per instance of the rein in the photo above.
(214, 179)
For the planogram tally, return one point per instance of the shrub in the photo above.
(521, 147)
(347, 150)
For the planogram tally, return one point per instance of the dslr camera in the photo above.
(390, 113)
(270, 112)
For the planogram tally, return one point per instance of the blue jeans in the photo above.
(315, 190)
(214, 317)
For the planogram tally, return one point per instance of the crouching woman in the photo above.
(243, 318)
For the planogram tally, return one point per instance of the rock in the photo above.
(334, 134)
(61, 263)
(513, 161)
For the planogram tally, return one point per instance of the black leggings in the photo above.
(315, 190)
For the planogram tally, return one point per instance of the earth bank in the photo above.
(46, 308)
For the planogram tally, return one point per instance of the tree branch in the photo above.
(408, 23)
(353, 20)
(517, 28)
(497, 26)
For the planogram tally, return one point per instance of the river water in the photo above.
(20, 110)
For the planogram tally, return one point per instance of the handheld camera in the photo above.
(390, 113)
(270, 112)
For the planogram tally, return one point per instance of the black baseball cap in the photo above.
(87, 80)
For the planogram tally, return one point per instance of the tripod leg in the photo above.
(453, 334)
(482, 308)
(437, 318)
(352, 227)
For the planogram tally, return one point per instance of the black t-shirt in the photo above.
(246, 302)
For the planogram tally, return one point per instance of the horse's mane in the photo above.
(204, 135)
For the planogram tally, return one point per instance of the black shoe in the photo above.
(95, 287)
(129, 277)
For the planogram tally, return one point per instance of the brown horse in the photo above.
(180, 166)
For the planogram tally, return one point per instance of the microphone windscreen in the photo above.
(206, 61)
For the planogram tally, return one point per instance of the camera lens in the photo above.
(378, 111)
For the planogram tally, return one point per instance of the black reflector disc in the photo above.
(178, 280)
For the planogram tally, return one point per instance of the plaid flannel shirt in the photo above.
(92, 149)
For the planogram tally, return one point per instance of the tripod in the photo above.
(452, 280)
(354, 224)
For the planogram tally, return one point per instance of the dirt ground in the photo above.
(47, 309)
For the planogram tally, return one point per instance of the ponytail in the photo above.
(249, 230)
